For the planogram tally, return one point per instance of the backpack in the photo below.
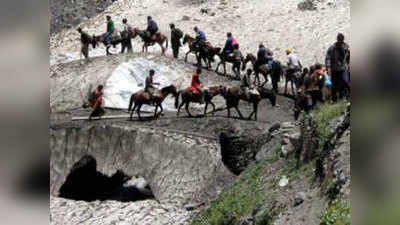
(179, 33)
(234, 42)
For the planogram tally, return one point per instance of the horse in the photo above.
(263, 69)
(206, 54)
(140, 98)
(188, 96)
(114, 41)
(293, 78)
(233, 95)
(223, 60)
(160, 39)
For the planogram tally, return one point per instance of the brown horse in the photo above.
(141, 98)
(223, 60)
(160, 39)
(263, 69)
(206, 54)
(233, 95)
(114, 40)
(188, 96)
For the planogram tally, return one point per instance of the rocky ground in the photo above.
(67, 14)
(278, 24)
(189, 161)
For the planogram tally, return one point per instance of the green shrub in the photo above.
(337, 214)
(243, 198)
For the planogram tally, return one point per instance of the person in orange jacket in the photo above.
(196, 85)
(96, 102)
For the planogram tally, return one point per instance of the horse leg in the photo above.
(224, 68)
(229, 111)
(155, 111)
(286, 83)
(293, 92)
(161, 111)
(213, 107)
(186, 55)
(179, 108)
(266, 80)
(237, 109)
(138, 112)
(205, 108)
(216, 69)
(162, 48)
(187, 109)
(133, 110)
(255, 108)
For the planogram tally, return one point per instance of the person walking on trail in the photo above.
(264, 56)
(229, 44)
(86, 39)
(96, 102)
(315, 84)
(110, 30)
(126, 37)
(149, 83)
(337, 63)
(293, 63)
(237, 60)
(196, 85)
(152, 28)
(176, 35)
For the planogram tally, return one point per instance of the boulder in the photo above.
(299, 198)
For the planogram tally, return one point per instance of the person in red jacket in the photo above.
(196, 85)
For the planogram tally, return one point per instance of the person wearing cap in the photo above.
(149, 83)
(126, 37)
(337, 62)
(293, 63)
(176, 35)
(152, 28)
(197, 85)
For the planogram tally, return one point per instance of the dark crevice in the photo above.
(85, 183)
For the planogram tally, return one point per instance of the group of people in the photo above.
(329, 83)
(333, 79)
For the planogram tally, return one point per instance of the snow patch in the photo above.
(129, 77)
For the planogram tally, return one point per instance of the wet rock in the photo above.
(238, 151)
(286, 150)
(246, 220)
(193, 206)
(299, 198)
(204, 10)
(185, 18)
(274, 127)
(283, 181)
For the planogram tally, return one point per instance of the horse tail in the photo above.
(130, 102)
(177, 99)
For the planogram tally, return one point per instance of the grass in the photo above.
(337, 213)
(323, 115)
(243, 198)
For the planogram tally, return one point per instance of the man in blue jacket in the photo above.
(152, 28)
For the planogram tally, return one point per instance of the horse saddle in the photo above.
(115, 35)
(194, 90)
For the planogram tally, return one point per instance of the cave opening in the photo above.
(85, 183)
